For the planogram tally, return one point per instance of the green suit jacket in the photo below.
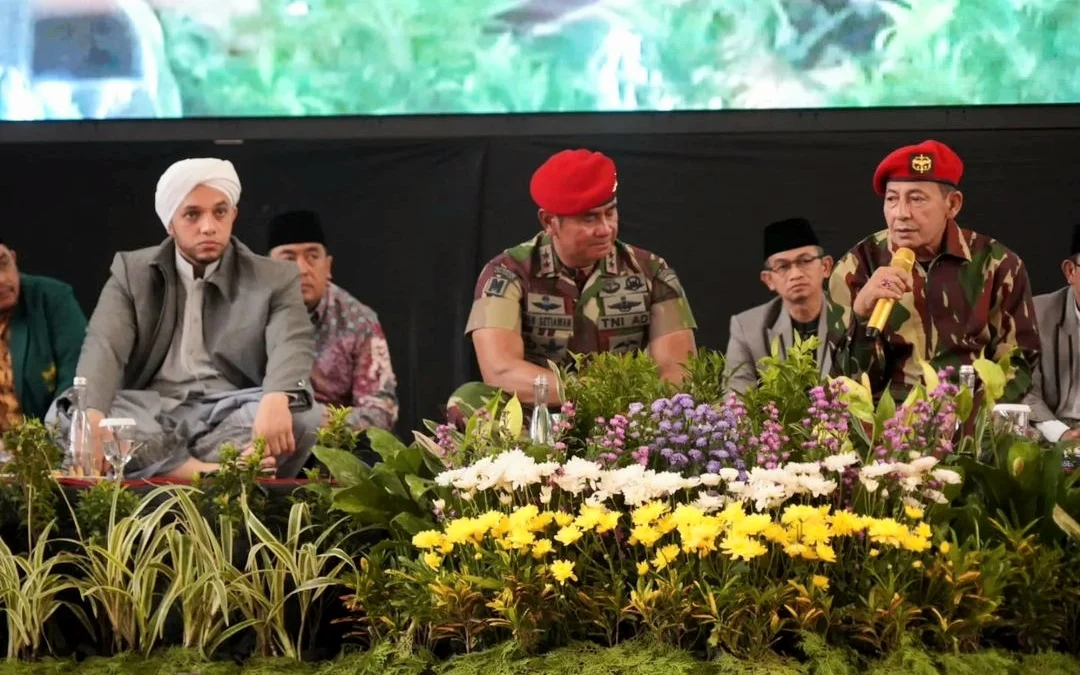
(46, 335)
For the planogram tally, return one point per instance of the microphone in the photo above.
(903, 259)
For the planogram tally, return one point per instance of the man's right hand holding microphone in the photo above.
(883, 289)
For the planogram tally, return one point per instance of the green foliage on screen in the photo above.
(347, 57)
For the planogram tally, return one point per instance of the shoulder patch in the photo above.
(496, 286)
(667, 276)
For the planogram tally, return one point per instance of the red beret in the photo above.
(572, 182)
(929, 161)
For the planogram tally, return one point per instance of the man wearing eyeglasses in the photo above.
(1055, 390)
(796, 268)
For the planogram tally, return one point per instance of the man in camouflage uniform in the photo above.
(575, 288)
(967, 293)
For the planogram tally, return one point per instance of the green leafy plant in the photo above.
(785, 382)
(121, 570)
(34, 458)
(395, 495)
(1038, 603)
(223, 493)
(30, 589)
(338, 432)
(273, 565)
(605, 384)
(705, 379)
(99, 506)
(203, 581)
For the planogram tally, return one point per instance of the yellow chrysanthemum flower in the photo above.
(886, 531)
(523, 516)
(825, 552)
(646, 535)
(540, 522)
(608, 522)
(732, 513)
(494, 522)
(745, 548)
(917, 564)
(665, 556)
(563, 570)
(665, 524)
(915, 544)
(752, 525)
(687, 515)
(589, 517)
(795, 550)
(648, 513)
(846, 523)
(562, 518)
(776, 534)
(568, 535)
(874, 553)
(428, 539)
(803, 513)
(913, 512)
(541, 548)
(520, 538)
(461, 531)
(433, 560)
(945, 547)
(816, 532)
(700, 538)
(642, 568)
(820, 582)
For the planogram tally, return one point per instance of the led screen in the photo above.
(102, 59)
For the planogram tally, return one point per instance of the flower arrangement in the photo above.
(736, 525)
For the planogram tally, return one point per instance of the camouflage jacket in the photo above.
(629, 298)
(973, 298)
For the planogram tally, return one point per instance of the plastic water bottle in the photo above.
(540, 428)
(80, 448)
(968, 378)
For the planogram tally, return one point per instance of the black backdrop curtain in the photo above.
(411, 223)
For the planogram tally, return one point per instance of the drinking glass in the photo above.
(121, 445)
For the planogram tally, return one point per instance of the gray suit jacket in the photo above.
(751, 336)
(255, 325)
(1052, 383)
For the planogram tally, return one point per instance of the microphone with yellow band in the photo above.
(903, 259)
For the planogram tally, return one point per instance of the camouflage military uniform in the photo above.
(629, 298)
(974, 296)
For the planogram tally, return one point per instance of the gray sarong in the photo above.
(197, 427)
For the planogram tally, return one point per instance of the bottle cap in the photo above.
(1012, 408)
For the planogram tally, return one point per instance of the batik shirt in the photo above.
(352, 360)
(973, 298)
(10, 411)
(629, 298)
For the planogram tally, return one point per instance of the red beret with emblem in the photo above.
(930, 161)
(572, 182)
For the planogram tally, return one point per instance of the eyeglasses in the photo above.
(783, 268)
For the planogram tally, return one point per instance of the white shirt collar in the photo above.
(187, 271)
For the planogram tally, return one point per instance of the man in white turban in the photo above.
(199, 340)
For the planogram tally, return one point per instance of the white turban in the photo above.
(181, 178)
